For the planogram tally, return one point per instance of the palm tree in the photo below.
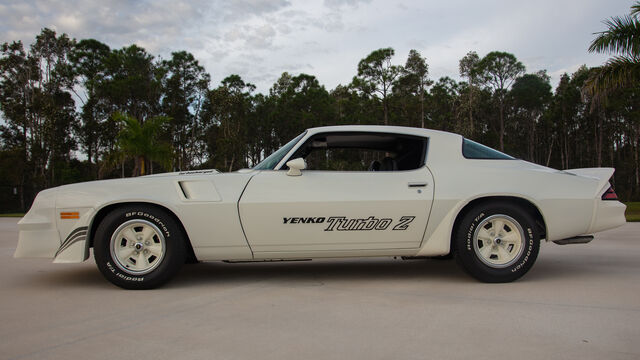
(622, 40)
(140, 141)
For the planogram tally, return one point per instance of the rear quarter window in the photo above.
(474, 150)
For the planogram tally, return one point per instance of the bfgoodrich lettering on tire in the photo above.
(139, 247)
(497, 242)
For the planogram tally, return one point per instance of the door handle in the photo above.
(417, 184)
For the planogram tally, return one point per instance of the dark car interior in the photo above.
(354, 151)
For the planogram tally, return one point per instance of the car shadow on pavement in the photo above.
(306, 273)
(321, 271)
(69, 277)
(362, 270)
(294, 273)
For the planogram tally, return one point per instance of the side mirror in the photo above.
(295, 166)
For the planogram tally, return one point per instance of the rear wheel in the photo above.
(497, 242)
(139, 247)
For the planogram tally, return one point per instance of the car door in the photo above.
(335, 212)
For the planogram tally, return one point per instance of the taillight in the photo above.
(610, 194)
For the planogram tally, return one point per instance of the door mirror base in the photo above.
(295, 166)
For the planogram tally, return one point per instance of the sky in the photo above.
(261, 39)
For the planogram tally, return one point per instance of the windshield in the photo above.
(272, 160)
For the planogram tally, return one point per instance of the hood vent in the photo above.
(198, 190)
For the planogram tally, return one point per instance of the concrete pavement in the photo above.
(578, 302)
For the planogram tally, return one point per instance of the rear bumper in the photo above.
(608, 214)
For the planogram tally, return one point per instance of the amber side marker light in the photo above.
(70, 215)
(610, 194)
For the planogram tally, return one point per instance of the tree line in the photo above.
(79, 110)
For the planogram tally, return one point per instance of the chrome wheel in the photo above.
(137, 247)
(498, 241)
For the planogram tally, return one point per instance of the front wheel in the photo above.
(497, 242)
(139, 247)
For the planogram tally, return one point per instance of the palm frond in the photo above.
(635, 9)
(622, 37)
(618, 72)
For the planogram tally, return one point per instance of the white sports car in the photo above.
(341, 191)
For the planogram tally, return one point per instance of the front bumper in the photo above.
(39, 243)
(39, 235)
(44, 226)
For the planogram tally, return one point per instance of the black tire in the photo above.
(502, 260)
(142, 269)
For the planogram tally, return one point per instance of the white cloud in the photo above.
(340, 3)
(260, 39)
(71, 22)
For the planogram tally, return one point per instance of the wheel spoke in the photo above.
(486, 251)
(511, 238)
(484, 235)
(129, 234)
(147, 233)
(497, 226)
(503, 254)
(125, 253)
(155, 249)
(142, 262)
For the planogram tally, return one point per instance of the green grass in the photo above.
(12, 215)
(633, 211)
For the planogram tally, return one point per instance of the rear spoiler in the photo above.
(601, 174)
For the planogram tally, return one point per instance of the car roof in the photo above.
(385, 128)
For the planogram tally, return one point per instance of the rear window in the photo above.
(474, 150)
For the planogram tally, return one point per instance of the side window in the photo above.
(357, 151)
(343, 159)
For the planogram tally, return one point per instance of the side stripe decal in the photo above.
(78, 234)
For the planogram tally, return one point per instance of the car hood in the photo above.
(162, 177)
(152, 188)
